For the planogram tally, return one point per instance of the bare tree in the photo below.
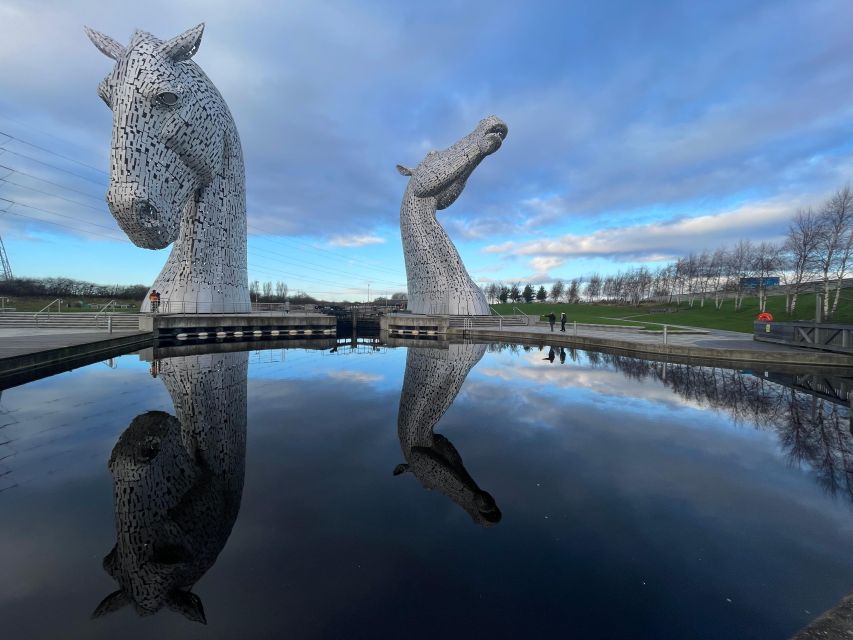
(593, 287)
(254, 289)
(834, 227)
(557, 290)
(739, 269)
(281, 290)
(573, 291)
(765, 263)
(800, 250)
(266, 289)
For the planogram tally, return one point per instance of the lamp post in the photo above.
(368, 293)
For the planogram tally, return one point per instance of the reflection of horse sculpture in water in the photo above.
(176, 172)
(433, 379)
(437, 279)
(178, 485)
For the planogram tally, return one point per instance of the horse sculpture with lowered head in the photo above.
(437, 280)
(176, 171)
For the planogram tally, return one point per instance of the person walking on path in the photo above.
(563, 321)
(552, 319)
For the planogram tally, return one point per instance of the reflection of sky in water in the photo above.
(628, 511)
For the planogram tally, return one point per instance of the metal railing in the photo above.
(526, 317)
(195, 306)
(46, 310)
(108, 319)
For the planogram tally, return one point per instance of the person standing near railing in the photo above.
(154, 299)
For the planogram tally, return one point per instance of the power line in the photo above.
(52, 166)
(333, 271)
(55, 184)
(54, 153)
(66, 226)
(52, 195)
(54, 213)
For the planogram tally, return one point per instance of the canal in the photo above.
(349, 489)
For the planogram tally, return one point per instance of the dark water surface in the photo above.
(274, 494)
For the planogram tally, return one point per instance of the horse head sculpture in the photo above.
(176, 170)
(436, 277)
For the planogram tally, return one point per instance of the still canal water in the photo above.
(457, 491)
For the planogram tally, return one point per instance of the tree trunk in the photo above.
(837, 294)
(793, 303)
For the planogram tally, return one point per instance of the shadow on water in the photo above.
(178, 482)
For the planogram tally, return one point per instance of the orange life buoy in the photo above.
(765, 316)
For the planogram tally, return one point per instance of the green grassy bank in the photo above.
(706, 317)
(69, 304)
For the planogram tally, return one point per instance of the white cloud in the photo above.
(355, 241)
(661, 240)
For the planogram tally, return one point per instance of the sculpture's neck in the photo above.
(206, 270)
(437, 280)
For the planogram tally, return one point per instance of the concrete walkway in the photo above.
(30, 353)
(712, 344)
(19, 342)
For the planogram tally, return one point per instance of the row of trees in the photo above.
(68, 287)
(816, 253)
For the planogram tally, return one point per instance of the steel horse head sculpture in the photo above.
(176, 171)
(437, 280)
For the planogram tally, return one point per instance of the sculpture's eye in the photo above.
(167, 98)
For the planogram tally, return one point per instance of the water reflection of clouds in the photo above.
(618, 520)
(350, 375)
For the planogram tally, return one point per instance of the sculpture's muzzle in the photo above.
(146, 222)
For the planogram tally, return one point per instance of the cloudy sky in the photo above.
(637, 131)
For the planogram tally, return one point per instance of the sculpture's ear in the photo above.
(187, 604)
(184, 46)
(113, 602)
(105, 44)
(401, 468)
(404, 171)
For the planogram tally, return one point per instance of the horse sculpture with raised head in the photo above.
(437, 280)
(176, 170)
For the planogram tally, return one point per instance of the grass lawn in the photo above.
(69, 304)
(707, 317)
(589, 313)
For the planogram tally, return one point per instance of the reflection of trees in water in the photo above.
(432, 382)
(811, 430)
(178, 483)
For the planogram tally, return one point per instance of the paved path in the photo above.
(18, 342)
(701, 345)
(706, 338)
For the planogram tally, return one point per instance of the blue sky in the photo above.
(638, 131)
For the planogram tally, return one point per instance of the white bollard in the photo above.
(664, 334)
(109, 324)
